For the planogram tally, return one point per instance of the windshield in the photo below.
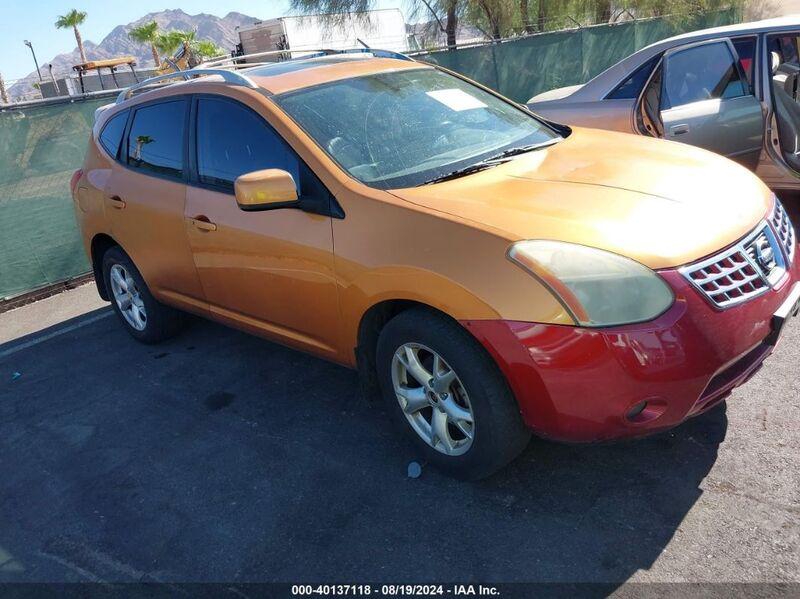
(406, 128)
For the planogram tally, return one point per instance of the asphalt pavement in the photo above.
(223, 457)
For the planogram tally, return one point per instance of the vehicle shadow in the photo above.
(602, 512)
(221, 457)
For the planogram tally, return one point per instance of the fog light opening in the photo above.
(637, 409)
(646, 411)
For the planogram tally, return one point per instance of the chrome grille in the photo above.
(784, 230)
(742, 272)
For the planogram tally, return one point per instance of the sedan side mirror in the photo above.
(266, 190)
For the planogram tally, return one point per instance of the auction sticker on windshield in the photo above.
(456, 99)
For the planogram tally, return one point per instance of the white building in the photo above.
(384, 29)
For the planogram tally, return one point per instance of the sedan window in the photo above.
(702, 73)
(746, 49)
(632, 86)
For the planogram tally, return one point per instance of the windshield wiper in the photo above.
(467, 170)
(524, 149)
(500, 158)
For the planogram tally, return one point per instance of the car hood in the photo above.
(662, 203)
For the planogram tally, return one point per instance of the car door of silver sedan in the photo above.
(706, 101)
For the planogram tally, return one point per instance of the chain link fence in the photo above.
(41, 145)
(40, 148)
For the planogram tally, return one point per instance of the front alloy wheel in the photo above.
(447, 395)
(433, 399)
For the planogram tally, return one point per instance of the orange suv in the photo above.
(491, 273)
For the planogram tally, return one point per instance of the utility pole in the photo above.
(55, 83)
(3, 94)
(36, 62)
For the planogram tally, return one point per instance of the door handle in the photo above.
(117, 202)
(202, 223)
(679, 129)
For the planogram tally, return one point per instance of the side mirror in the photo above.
(266, 190)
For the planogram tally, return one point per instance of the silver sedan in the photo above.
(732, 90)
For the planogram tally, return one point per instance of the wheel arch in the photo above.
(370, 326)
(101, 243)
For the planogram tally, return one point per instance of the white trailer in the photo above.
(384, 29)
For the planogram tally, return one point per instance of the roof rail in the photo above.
(232, 77)
(236, 61)
(379, 53)
(227, 67)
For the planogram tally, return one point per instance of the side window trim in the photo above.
(123, 153)
(191, 144)
(640, 113)
(754, 66)
(333, 210)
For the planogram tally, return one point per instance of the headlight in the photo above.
(598, 288)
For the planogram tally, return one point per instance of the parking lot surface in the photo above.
(222, 457)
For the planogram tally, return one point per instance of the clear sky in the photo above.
(33, 20)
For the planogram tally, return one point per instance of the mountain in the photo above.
(220, 30)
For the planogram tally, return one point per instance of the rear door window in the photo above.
(700, 73)
(111, 135)
(156, 138)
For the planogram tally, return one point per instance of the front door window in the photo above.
(706, 72)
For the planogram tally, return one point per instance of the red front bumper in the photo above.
(580, 384)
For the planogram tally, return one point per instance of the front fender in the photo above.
(402, 283)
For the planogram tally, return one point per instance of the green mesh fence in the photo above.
(41, 146)
(525, 67)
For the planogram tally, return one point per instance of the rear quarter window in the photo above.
(111, 135)
(631, 87)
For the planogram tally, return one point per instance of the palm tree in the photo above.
(141, 142)
(147, 34)
(167, 42)
(204, 48)
(170, 42)
(72, 19)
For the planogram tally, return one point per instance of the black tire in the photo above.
(162, 322)
(499, 433)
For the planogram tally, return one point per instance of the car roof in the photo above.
(739, 28)
(598, 88)
(273, 78)
(296, 74)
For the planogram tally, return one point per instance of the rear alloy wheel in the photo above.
(128, 298)
(446, 393)
(433, 399)
(144, 317)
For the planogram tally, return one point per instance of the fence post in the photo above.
(3, 94)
